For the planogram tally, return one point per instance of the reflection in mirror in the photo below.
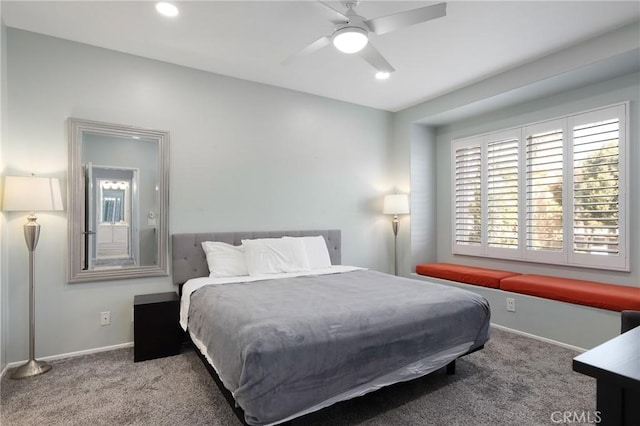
(115, 218)
(118, 201)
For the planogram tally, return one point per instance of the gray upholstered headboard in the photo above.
(189, 261)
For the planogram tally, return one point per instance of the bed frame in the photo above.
(189, 261)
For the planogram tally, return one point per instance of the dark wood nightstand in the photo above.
(156, 331)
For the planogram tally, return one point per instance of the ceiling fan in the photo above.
(351, 34)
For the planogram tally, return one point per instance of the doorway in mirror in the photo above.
(113, 204)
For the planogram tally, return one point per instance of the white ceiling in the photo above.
(249, 40)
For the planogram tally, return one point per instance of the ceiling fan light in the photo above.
(350, 39)
(167, 9)
(382, 75)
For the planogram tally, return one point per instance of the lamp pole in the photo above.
(32, 367)
(395, 204)
(395, 243)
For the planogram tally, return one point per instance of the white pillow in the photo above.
(274, 255)
(224, 260)
(317, 252)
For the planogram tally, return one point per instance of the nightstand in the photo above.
(156, 331)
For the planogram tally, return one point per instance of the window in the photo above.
(548, 192)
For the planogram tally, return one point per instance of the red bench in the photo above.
(464, 274)
(580, 292)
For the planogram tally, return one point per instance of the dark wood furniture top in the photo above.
(143, 299)
(616, 366)
(616, 361)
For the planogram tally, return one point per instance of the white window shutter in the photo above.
(544, 188)
(595, 187)
(467, 177)
(598, 196)
(552, 192)
(502, 193)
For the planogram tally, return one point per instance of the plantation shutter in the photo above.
(468, 180)
(502, 193)
(596, 188)
(544, 219)
(551, 192)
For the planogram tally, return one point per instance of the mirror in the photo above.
(118, 201)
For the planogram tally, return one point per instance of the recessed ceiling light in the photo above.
(166, 9)
(382, 75)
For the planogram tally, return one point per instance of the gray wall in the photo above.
(244, 156)
(4, 283)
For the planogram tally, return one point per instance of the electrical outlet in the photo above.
(105, 318)
(511, 304)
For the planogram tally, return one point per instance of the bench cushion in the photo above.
(590, 293)
(465, 274)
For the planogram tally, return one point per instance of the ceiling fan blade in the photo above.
(388, 23)
(334, 15)
(313, 47)
(375, 59)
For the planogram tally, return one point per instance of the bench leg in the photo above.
(451, 367)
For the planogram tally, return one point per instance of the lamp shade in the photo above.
(31, 194)
(396, 204)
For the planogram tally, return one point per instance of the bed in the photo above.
(285, 345)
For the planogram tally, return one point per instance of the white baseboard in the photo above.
(542, 339)
(69, 355)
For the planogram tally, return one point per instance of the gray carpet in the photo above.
(514, 380)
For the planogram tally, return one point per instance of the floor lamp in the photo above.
(31, 194)
(395, 204)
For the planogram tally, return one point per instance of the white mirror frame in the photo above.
(75, 197)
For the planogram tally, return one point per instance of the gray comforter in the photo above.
(282, 346)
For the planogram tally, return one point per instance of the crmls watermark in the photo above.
(582, 417)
